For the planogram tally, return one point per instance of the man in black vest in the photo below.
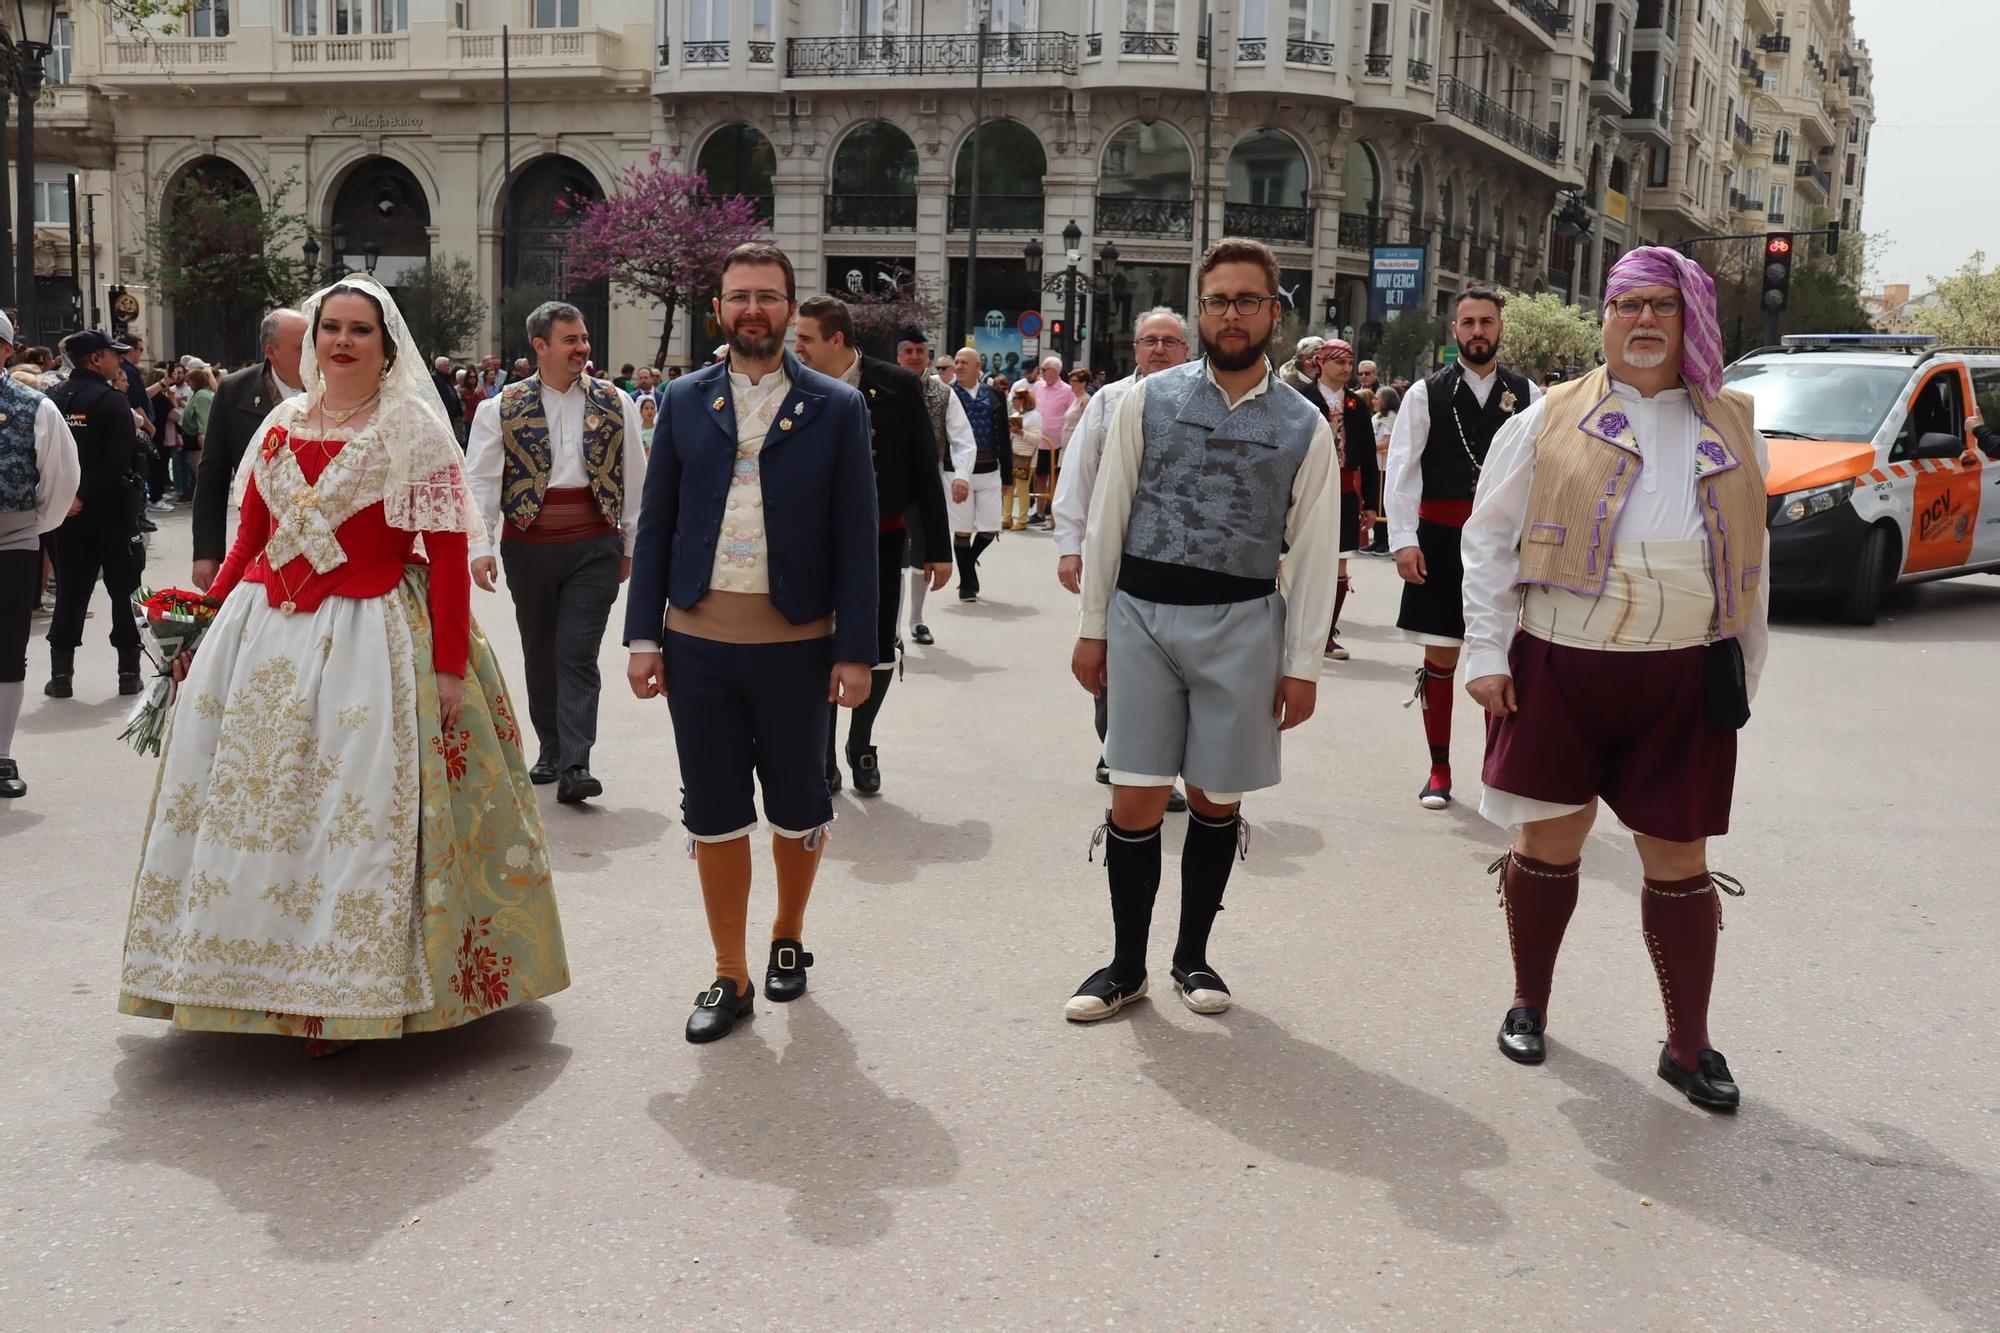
(1435, 453)
(242, 401)
(975, 521)
(906, 477)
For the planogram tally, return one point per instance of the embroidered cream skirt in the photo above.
(319, 861)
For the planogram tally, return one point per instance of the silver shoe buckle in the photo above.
(788, 959)
(710, 998)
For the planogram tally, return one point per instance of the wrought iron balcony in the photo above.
(704, 53)
(1775, 43)
(1126, 215)
(1775, 217)
(954, 54)
(1450, 250)
(1818, 175)
(1378, 67)
(1093, 45)
(1309, 53)
(1603, 72)
(1419, 235)
(1476, 260)
(763, 53)
(1269, 223)
(1149, 44)
(1781, 157)
(998, 212)
(1544, 15)
(1745, 132)
(872, 212)
(1359, 231)
(1420, 73)
(1250, 51)
(1467, 103)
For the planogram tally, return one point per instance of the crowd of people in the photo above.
(346, 799)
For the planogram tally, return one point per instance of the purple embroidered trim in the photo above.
(1712, 451)
(1561, 531)
(1754, 569)
(1613, 423)
(1611, 486)
(1603, 510)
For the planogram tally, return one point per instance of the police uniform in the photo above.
(103, 539)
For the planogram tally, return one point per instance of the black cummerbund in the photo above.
(1184, 585)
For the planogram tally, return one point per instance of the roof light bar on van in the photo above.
(1839, 340)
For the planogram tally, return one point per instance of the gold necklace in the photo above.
(1478, 466)
(342, 416)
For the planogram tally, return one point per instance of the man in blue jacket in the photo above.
(752, 609)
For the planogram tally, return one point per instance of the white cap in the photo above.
(6, 327)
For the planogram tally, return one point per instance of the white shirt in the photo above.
(958, 435)
(1663, 506)
(743, 550)
(1306, 575)
(1078, 478)
(284, 390)
(57, 475)
(1404, 487)
(486, 457)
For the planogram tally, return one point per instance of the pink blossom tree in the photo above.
(659, 235)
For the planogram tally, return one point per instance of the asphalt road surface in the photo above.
(922, 1142)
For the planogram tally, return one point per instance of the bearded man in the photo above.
(752, 608)
(1615, 607)
(1436, 451)
(1211, 471)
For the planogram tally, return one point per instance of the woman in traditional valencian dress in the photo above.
(344, 843)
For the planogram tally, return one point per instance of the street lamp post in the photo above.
(311, 249)
(34, 38)
(972, 204)
(371, 255)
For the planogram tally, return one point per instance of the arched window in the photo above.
(381, 202)
(738, 159)
(874, 180)
(197, 205)
(1362, 181)
(1145, 186)
(1268, 179)
(544, 198)
(1011, 167)
(1420, 195)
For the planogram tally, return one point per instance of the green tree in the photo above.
(440, 299)
(1408, 342)
(1968, 306)
(1825, 293)
(1545, 332)
(217, 248)
(882, 313)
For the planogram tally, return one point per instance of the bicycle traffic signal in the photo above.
(1777, 270)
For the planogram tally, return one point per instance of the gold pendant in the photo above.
(288, 606)
(784, 423)
(716, 406)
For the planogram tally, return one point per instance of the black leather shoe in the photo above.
(129, 683)
(785, 978)
(11, 785)
(717, 1009)
(1176, 802)
(834, 782)
(1103, 772)
(576, 786)
(1709, 1084)
(543, 773)
(867, 771)
(1521, 1037)
(59, 687)
(921, 634)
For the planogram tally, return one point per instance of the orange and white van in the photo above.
(1884, 469)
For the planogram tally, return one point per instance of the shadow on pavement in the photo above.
(334, 1153)
(1279, 849)
(884, 843)
(1893, 1209)
(1306, 1104)
(588, 829)
(988, 609)
(941, 665)
(811, 1123)
(1959, 610)
(15, 820)
(1357, 669)
(69, 715)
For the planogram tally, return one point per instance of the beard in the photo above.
(1249, 355)
(1642, 353)
(1479, 352)
(754, 343)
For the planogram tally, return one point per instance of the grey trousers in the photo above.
(563, 595)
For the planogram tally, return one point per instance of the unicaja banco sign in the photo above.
(372, 120)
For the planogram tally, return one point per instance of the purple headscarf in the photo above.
(1701, 333)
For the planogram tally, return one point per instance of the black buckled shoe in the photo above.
(867, 771)
(1709, 1084)
(922, 636)
(576, 786)
(717, 1009)
(785, 978)
(1101, 996)
(1176, 802)
(543, 773)
(1521, 1037)
(11, 785)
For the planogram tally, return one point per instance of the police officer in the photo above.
(101, 538)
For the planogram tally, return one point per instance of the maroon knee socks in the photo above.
(1681, 918)
(1339, 600)
(1437, 696)
(1539, 899)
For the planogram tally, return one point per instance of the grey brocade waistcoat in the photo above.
(1215, 485)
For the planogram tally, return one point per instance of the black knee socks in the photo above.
(980, 542)
(861, 728)
(1132, 864)
(968, 572)
(1207, 857)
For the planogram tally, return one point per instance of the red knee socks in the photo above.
(1437, 696)
(1681, 918)
(1539, 899)
(1339, 600)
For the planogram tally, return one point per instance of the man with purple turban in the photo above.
(1615, 610)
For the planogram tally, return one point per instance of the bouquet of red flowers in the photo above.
(175, 619)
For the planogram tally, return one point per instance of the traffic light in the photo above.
(1777, 270)
(1056, 327)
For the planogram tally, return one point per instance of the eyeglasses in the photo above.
(1630, 308)
(763, 300)
(1152, 342)
(1242, 305)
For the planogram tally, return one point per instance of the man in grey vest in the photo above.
(1211, 471)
